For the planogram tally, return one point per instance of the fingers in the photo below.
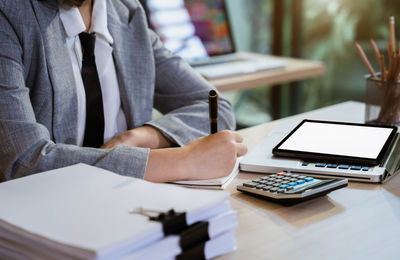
(231, 135)
(238, 137)
(237, 141)
(241, 149)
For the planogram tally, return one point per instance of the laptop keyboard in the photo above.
(240, 67)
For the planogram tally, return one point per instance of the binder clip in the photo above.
(172, 222)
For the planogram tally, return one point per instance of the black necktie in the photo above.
(94, 128)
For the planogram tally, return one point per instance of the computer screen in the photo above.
(193, 29)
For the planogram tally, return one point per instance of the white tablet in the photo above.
(337, 142)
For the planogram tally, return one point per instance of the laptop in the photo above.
(199, 31)
(261, 159)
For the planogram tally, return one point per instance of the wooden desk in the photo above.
(358, 222)
(296, 70)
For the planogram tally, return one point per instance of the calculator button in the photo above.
(279, 177)
(269, 183)
(286, 178)
(276, 184)
(355, 167)
(250, 184)
(320, 164)
(343, 166)
(285, 182)
(281, 173)
(305, 164)
(259, 187)
(281, 190)
(279, 180)
(292, 183)
(257, 180)
(301, 181)
(267, 187)
(293, 179)
(265, 178)
(332, 165)
(302, 177)
(290, 188)
(273, 175)
(295, 176)
(273, 189)
(365, 168)
(283, 186)
(309, 179)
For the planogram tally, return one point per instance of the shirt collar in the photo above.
(74, 25)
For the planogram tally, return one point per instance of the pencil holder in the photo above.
(382, 102)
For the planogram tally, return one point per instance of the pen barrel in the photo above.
(213, 110)
(213, 127)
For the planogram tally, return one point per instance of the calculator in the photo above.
(288, 188)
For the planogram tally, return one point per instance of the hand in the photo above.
(144, 136)
(207, 157)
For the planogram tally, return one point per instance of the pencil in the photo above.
(382, 65)
(397, 71)
(390, 52)
(399, 47)
(213, 109)
(391, 67)
(365, 60)
(376, 51)
(392, 32)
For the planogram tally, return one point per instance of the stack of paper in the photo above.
(85, 212)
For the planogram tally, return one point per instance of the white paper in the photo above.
(169, 247)
(84, 211)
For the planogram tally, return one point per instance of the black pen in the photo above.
(213, 107)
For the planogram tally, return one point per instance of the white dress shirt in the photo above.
(114, 117)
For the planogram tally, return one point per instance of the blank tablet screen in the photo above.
(337, 139)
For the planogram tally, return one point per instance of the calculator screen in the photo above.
(338, 139)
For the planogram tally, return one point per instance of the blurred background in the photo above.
(322, 30)
(329, 30)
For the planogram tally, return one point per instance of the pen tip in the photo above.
(212, 93)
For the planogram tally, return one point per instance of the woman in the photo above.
(46, 112)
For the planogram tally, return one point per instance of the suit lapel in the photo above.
(60, 72)
(134, 64)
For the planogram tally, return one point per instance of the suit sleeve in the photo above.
(181, 94)
(26, 145)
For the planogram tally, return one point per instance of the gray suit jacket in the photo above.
(38, 100)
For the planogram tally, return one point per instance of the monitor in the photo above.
(193, 29)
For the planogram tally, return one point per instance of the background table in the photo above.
(295, 71)
(361, 221)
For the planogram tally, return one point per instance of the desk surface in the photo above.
(297, 69)
(361, 221)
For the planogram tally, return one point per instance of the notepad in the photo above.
(217, 183)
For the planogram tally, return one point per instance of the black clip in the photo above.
(173, 222)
